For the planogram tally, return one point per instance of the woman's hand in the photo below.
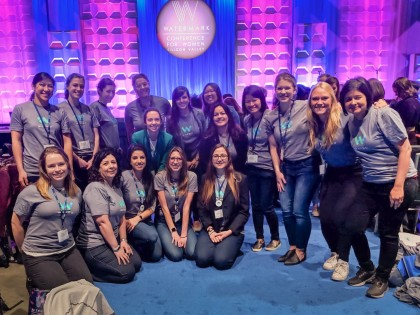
(126, 248)
(122, 256)
(396, 196)
(82, 163)
(183, 241)
(89, 163)
(23, 178)
(220, 236)
(131, 223)
(281, 181)
(176, 240)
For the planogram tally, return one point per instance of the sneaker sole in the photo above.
(339, 280)
(328, 268)
(377, 296)
(256, 250)
(270, 249)
(362, 283)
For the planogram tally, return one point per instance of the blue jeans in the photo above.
(302, 178)
(103, 265)
(172, 252)
(262, 186)
(146, 241)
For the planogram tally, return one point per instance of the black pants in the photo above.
(389, 219)
(344, 215)
(49, 272)
(220, 255)
(81, 174)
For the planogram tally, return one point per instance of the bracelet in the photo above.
(116, 249)
(124, 240)
(183, 236)
(211, 232)
(173, 229)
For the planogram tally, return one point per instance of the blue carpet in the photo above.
(257, 284)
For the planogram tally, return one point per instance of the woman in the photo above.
(135, 110)
(211, 96)
(408, 106)
(108, 125)
(36, 125)
(344, 215)
(187, 125)
(139, 196)
(83, 126)
(157, 142)
(102, 236)
(51, 207)
(297, 170)
(390, 178)
(175, 187)
(222, 129)
(224, 211)
(260, 173)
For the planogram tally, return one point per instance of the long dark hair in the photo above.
(183, 174)
(233, 129)
(146, 176)
(94, 173)
(358, 84)
(207, 107)
(68, 81)
(257, 92)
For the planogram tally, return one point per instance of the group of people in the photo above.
(210, 164)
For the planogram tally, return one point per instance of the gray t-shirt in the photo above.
(108, 126)
(340, 153)
(375, 140)
(25, 119)
(189, 129)
(256, 131)
(293, 138)
(135, 111)
(134, 195)
(44, 216)
(228, 142)
(100, 199)
(162, 184)
(81, 123)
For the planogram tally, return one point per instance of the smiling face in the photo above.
(253, 104)
(138, 160)
(107, 94)
(220, 118)
(321, 102)
(153, 121)
(356, 103)
(220, 158)
(175, 161)
(43, 91)
(183, 101)
(76, 88)
(56, 169)
(142, 87)
(108, 168)
(285, 91)
(210, 95)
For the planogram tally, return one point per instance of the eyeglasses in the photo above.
(173, 159)
(221, 156)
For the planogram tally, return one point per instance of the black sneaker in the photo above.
(378, 288)
(362, 276)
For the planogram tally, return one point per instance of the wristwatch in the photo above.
(173, 229)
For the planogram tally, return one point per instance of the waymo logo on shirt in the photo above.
(186, 129)
(43, 119)
(359, 140)
(286, 125)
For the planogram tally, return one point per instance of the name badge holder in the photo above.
(84, 145)
(252, 157)
(322, 167)
(63, 234)
(220, 193)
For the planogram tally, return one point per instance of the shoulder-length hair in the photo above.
(44, 182)
(68, 81)
(404, 88)
(257, 92)
(183, 174)
(233, 178)
(146, 175)
(316, 126)
(333, 80)
(216, 88)
(94, 173)
(359, 84)
(378, 91)
(233, 129)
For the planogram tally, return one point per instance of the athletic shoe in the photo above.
(362, 276)
(331, 262)
(258, 245)
(341, 271)
(378, 288)
(273, 245)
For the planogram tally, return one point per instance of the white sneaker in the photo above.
(341, 271)
(331, 262)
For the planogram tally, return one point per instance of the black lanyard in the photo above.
(254, 134)
(140, 193)
(64, 207)
(283, 137)
(220, 193)
(47, 130)
(77, 119)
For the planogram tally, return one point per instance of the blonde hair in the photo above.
(316, 126)
(233, 179)
(44, 182)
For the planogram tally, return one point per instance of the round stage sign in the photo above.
(186, 28)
